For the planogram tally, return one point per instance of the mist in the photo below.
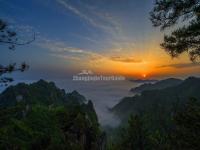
(103, 94)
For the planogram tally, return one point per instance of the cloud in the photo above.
(66, 57)
(73, 50)
(182, 65)
(125, 59)
(90, 39)
(76, 11)
(61, 49)
(57, 46)
(110, 25)
(93, 16)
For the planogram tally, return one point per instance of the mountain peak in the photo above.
(157, 85)
(192, 78)
(41, 92)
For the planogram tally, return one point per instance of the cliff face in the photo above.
(42, 116)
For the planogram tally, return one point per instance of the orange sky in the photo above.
(151, 63)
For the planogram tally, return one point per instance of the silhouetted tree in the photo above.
(167, 13)
(187, 127)
(9, 37)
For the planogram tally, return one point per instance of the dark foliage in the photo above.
(9, 37)
(43, 117)
(167, 13)
(162, 84)
(160, 100)
(186, 135)
(182, 133)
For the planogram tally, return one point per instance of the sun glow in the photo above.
(144, 75)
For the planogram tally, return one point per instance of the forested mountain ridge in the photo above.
(166, 98)
(157, 85)
(39, 92)
(43, 117)
(163, 119)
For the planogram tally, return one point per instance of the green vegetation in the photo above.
(157, 85)
(167, 13)
(161, 119)
(44, 117)
(159, 101)
(182, 131)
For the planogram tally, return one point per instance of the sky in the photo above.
(106, 36)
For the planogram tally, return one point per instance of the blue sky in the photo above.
(72, 35)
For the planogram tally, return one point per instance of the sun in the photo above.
(144, 75)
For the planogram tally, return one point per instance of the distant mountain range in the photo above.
(157, 85)
(163, 95)
(143, 80)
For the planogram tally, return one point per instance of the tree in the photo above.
(134, 137)
(187, 127)
(167, 13)
(9, 37)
